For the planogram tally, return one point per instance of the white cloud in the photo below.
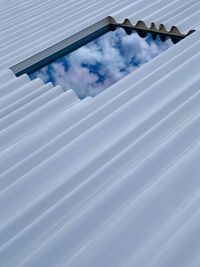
(115, 53)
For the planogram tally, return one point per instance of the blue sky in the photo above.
(102, 62)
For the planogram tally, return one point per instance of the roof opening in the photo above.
(95, 66)
(93, 59)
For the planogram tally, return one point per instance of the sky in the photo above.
(94, 67)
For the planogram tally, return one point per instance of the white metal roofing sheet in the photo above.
(30, 27)
(106, 181)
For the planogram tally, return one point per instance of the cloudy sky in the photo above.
(97, 65)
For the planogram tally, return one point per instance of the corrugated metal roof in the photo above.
(106, 181)
(29, 27)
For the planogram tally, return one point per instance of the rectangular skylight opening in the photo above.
(93, 63)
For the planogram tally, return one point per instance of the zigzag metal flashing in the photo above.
(143, 30)
(83, 37)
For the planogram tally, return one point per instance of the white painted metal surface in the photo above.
(106, 181)
(30, 27)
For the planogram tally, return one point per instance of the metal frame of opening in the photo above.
(90, 33)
